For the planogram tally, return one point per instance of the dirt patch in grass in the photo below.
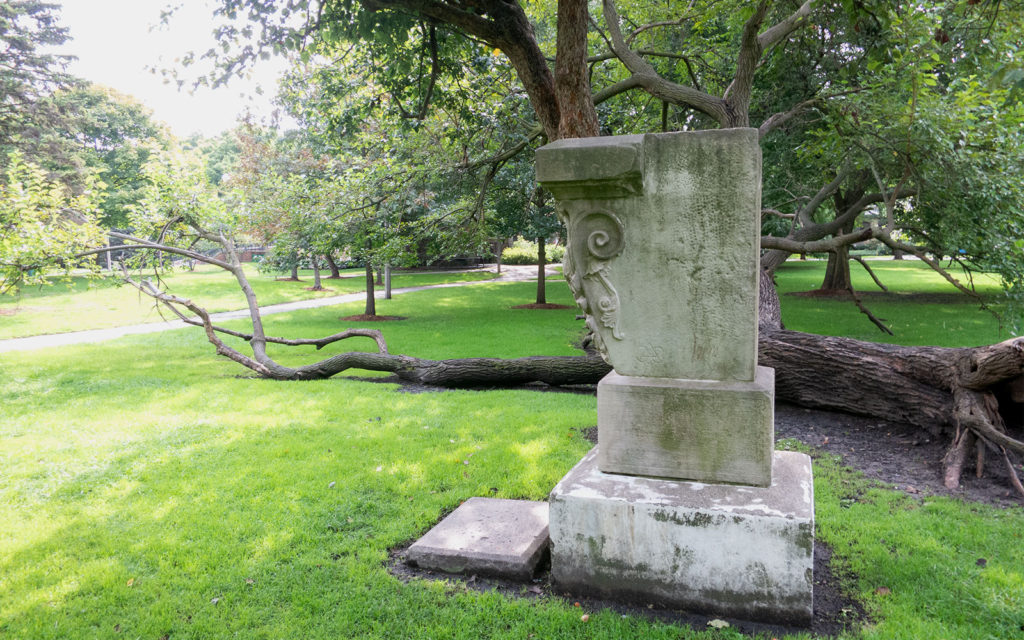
(315, 289)
(898, 454)
(288, 279)
(834, 612)
(362, 317)
(546, 305)
(9, 312)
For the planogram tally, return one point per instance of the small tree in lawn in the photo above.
(521, 208)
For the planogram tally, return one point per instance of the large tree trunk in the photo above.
(837, 272)
(903, 384)
(973, 396)
(577, 115)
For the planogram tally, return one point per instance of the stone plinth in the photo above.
(663, 247)
(703, 430)
(486, 536)
(743, 552)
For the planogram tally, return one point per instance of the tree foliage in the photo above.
(29, 73)
(42, 226)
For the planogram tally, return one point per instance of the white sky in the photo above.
(115, 44)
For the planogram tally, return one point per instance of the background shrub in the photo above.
(525, 252)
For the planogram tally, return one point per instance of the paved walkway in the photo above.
(509, 273)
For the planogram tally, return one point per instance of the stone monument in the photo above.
(684, 501)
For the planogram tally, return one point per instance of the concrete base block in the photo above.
(486, 536)
(703, 430)
(744, 552)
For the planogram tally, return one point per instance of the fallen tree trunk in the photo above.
(974, 397)
(964, 395)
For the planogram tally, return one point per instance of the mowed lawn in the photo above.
(82, 303)
(921, 307)
(149, 489)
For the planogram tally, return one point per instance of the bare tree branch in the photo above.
(777, 214)
(649, 80)
(790, 245)
(142, 243)
(883, 236)
(435, 67)
(777, 33)
(862, 262)
(507, 154)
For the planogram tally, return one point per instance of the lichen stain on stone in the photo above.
(695, 519)
(681, 558)
(802, 537)
(759, 577)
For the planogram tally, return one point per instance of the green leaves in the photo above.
(42, 227)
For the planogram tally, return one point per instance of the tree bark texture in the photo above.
(335, 272)
(577, 115)
(837, 271)
(371, 301)
(542, 260)
(317, 286)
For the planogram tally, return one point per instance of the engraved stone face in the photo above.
(663, 253)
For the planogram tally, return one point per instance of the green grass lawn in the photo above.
(149, 489)
(85, 303)
(921, 308)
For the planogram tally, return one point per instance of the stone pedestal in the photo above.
(705, 430)
(743, 552)
(663, 258)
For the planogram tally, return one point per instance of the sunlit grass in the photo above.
(84, 303)
(151, 489)
(921, 308)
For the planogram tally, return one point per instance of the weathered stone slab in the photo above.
(663, 253)
(700, 430)
(745, 552)
(486, 536)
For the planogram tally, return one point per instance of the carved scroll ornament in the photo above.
(594, 240)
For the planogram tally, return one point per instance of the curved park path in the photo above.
(509, 273)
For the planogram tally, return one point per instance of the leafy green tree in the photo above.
(29, 72)
(176, 200)
(109, 135)
(42, 226)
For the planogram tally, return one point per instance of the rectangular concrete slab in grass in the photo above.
(486, 536)
(744, 552)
